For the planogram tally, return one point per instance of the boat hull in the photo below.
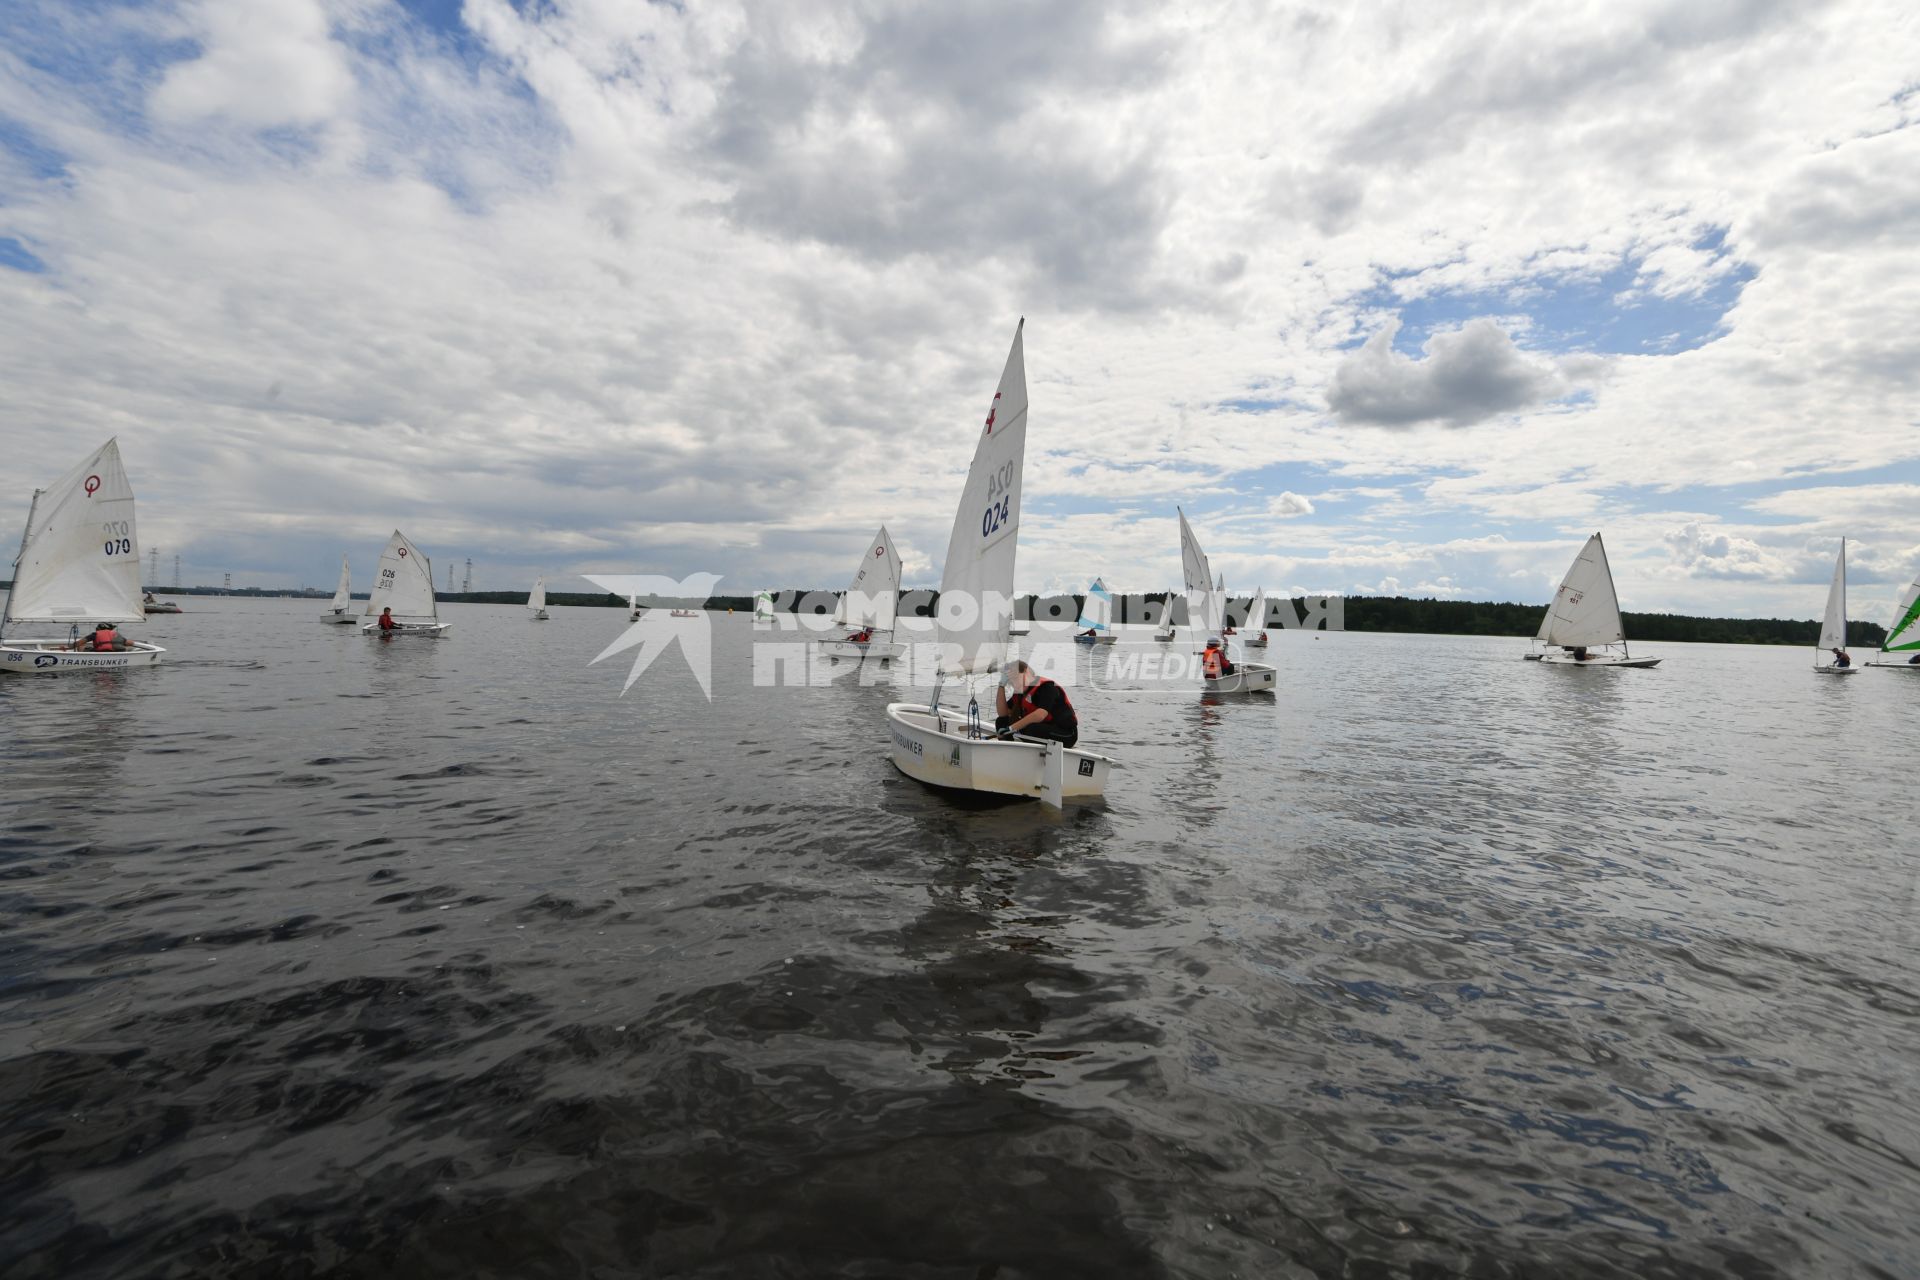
(540, 615)
(933, 747)
(163, 608)
(1247, 677)
(1831, 670)
(1897, 666)
(1096, 640)
(1256, 642)
(43, 657)
(881, 649)
(431, 630)
(341, 618)
(1566, 660)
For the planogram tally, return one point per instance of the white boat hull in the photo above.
(162, 608)
(1897, 666)
(882, 649)
(341, 617)
(431, 630)
(1096, 640)
(933, 747)
(40, 657)
(540, 615)
(1597, 660)
(1164, 637)
(1247, 677)
(1831, 670)
(1256, 642)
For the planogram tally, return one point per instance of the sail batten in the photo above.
(404, 583)
(976, 583)
(79, 558)
(1585, 611)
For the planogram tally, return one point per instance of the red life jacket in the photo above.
(103, 640)
(1021, 705)
(1213, 663)
(387, 623)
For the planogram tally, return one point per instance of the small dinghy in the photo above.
(1830, 657)
(683, 613)
(1900, 651)
(1096, 617)
(404, 584)
(763, 611)
(149, 604)
(1208, 607)
(950, 747)
(78, 568)
(340, 608)
(1585, 617)
(1257, 620)
(537, 600)
(867, 608)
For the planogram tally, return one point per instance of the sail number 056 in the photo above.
(119, 541)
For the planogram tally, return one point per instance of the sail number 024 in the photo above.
(999, 500)
(119, 537)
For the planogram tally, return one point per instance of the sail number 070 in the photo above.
(119, 537)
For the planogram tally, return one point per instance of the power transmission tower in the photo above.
(466, 583)
(176, 573)
(226, 582)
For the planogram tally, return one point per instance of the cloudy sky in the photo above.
(1392, 297)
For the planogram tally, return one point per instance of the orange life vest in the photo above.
(103, 640)
(387, 623)
(1213, 663)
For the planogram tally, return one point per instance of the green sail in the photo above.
(1905, 635)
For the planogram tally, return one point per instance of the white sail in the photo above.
(79, 561)
(1257, 611)
(343, 594)
(1585, 611)
(870, 599)
(537, 598)
(763, 607)
(1833, 627)
(1097, 613)
(1199, 581)
(1905, 634)
(403, 583)
(976, 586)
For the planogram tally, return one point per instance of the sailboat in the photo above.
(340, 610)
(946, 746)
(1206, 607)
(404, 583)
(1585, 615)
(1096, 617)
(537, 599)
(868, 606)
(1164, 631)
(763, 611)
(1904, 636)
(633, 608)
(1226, 627)
(78, 567)
(1257, 620)
(1832, 645)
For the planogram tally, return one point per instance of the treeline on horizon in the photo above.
(1404, 614)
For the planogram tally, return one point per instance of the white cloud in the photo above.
(262, 63)
(1469, 374)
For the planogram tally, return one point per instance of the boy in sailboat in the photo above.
(1039, 708)
(1841, 659)
(387, 624)
(103, 640)
(1214, 663)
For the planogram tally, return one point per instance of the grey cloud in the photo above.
(1468, 375)
(938, 136)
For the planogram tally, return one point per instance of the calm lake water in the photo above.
(329, 957)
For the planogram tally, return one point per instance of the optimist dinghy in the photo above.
(867, 608)
(537, 600)
(78, 567)
(1833, 627)
(340, 608)
(1585, 616)
(1903, 638)
(404, 583)
(945, 746)
(1205, 603)
(1257, 620)
(1096, 617)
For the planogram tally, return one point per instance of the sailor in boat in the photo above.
(1840, 659)
(862, 636)
(1038, 708)
(1091, 633)
(1214, 663)
(103, 640)
(1579, 653)
(387, 625)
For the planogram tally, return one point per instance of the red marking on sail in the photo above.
(93, 483)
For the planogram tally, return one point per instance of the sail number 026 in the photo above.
(999, 501)
(119, 537)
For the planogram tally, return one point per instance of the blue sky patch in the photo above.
(17, 256)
